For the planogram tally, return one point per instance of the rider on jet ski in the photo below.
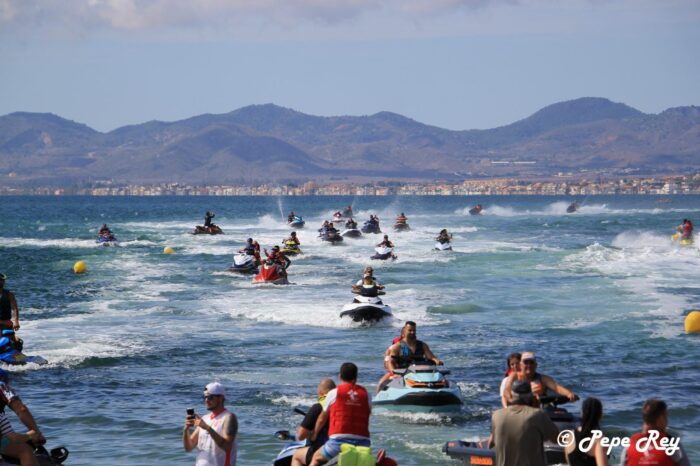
(351, 224)
(386, 243)
(251, 248)
(293, 239)
(686, 229)
(347, 212)
(106, 233)
(207, 218)
(407, 351)
(290, 217)
(369, 272)
(444, 236)
(401, 219)
(540, 382)
(279, 258)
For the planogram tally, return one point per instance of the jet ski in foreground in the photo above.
(55, 457)
(211, 230)
(480, 453)
(11, 351)
(284, 457)
(366, 308)
(421, 386)
(296, 222)
(244, 263)
(446, 246)
(383, 253)
(271, 272)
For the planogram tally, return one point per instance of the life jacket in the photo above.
(349, 414)
(651, 457)
(406, 357)
(687, 229)
(5, 308)
(536, 384)
(369, 291)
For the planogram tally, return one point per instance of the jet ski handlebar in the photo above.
(554, 400)
(285, 434)
(423, 367)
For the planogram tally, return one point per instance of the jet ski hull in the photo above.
(371, 228)
(351, 233)
(402, 227)
(244, 269)
(365, 312)
(212, 230)
(443, 246)
(298, 224)
(422, 399)
(20, 359)
(383, 254)
(336, 238)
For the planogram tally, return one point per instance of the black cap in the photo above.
(521, 387)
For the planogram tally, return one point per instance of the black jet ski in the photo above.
(55, 457)
(572, 208)
(332, 236)
(351, 233)
(401, 227)
(476, 210)
(480, 453)
(371, 227)
(211, 230)
(366, 308)
(244, 263)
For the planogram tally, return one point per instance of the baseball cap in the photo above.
(3, 276)
(528, 355)
(214, 388)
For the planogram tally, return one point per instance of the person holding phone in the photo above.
(214, 435)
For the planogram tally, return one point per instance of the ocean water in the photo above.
(599, 295)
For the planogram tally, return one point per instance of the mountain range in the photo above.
(268, 143)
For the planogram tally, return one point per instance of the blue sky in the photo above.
(457, 64)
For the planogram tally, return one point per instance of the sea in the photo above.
(599, 295)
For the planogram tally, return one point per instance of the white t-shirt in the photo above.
(209, 453)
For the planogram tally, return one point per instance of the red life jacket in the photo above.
(651, 457)
(349, 414)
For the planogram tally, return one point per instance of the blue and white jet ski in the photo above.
(11, 351)
(297, 222)
(371, 227)
(106, 240)
(420, 387)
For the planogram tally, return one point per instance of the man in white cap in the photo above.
(214, 435)
(540, 383)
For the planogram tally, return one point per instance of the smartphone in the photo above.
(190, 412)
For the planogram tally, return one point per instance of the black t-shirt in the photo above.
(309, 423)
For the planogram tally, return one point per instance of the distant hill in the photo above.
(268, 143)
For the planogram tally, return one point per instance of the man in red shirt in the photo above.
(347, 411)
(653, 446)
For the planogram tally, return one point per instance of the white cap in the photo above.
(214, 388)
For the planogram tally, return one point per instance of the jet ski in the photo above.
(383, 253)
(371, 227)
(476, 210)
(351, 233)
(366, 308)
(211, 230)
(243, 263)
(401, 227)
(572, 208)
(446, 246)
(106, 240)
(297, 222)
(480, 453)
(11, 351)
(270, 273)
(421, 386)
(682, 242)
(291, 248)
(338, 218)
(55, 457)
(332, 236)
(347, 212)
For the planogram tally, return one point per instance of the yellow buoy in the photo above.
(168, 250)
(692, 322)
(80, 267)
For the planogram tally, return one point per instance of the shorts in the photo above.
(4, 443)
(331, 448)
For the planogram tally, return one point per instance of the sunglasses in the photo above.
(210, 397)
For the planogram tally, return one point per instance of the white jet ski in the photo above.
(383, 253)
(243, 263)
(446, 246)
(366, 308)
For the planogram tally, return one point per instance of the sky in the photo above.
(457, 64)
